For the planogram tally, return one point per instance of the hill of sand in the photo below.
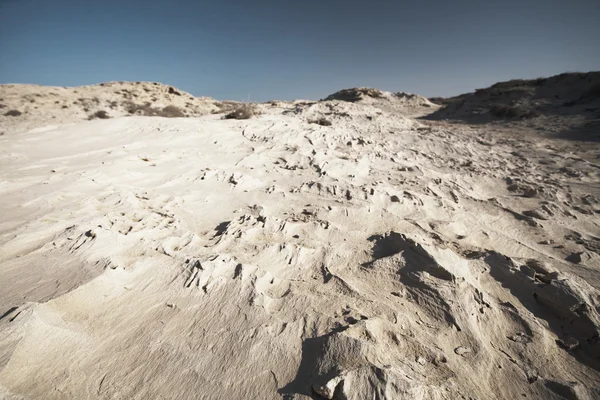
(406, 104)
(565, 105)
(48, 105)
(334, 249)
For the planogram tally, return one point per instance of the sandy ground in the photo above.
(380, 257)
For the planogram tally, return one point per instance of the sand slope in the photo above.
(49, 105)
(379, 257)
(565, 105)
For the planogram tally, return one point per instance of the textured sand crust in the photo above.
(379, 257)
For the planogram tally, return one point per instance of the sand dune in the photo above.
(375, 255)
(565, 105)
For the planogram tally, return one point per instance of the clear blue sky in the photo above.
(281, 49)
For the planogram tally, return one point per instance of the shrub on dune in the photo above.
(320, 121)
(171, 112)
(13, 113)
(99, 114)
(245, 111)
(516, 111)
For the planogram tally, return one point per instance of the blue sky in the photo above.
(268, 49)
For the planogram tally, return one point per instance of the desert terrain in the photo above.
(370, 245)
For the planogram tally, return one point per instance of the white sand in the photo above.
(379, 257)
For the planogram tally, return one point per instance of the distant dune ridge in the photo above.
(566, 104)
(368, 245)
(53, 105)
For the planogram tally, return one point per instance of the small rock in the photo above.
(589, 200)
(532, 222)
(531, 375)
(548, 278)
(528, 271)
(421, 360)
(567, 390)
(327, 391)
(461, 351)
(530, 192)
(538, 266)
(395, 199)
(535, 214)
(576, 258)
(520, 337)
(439, 359)
(568, 344)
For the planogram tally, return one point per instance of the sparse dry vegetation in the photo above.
(342, 114)
(13, 113)
(592, 93)
(355, 94)
(140, 109)
(438, 100)
(171, 112)
(516, 111)
(147, 110)
(244, 111)
(226, 106)
(99, 114)
(320, 121)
